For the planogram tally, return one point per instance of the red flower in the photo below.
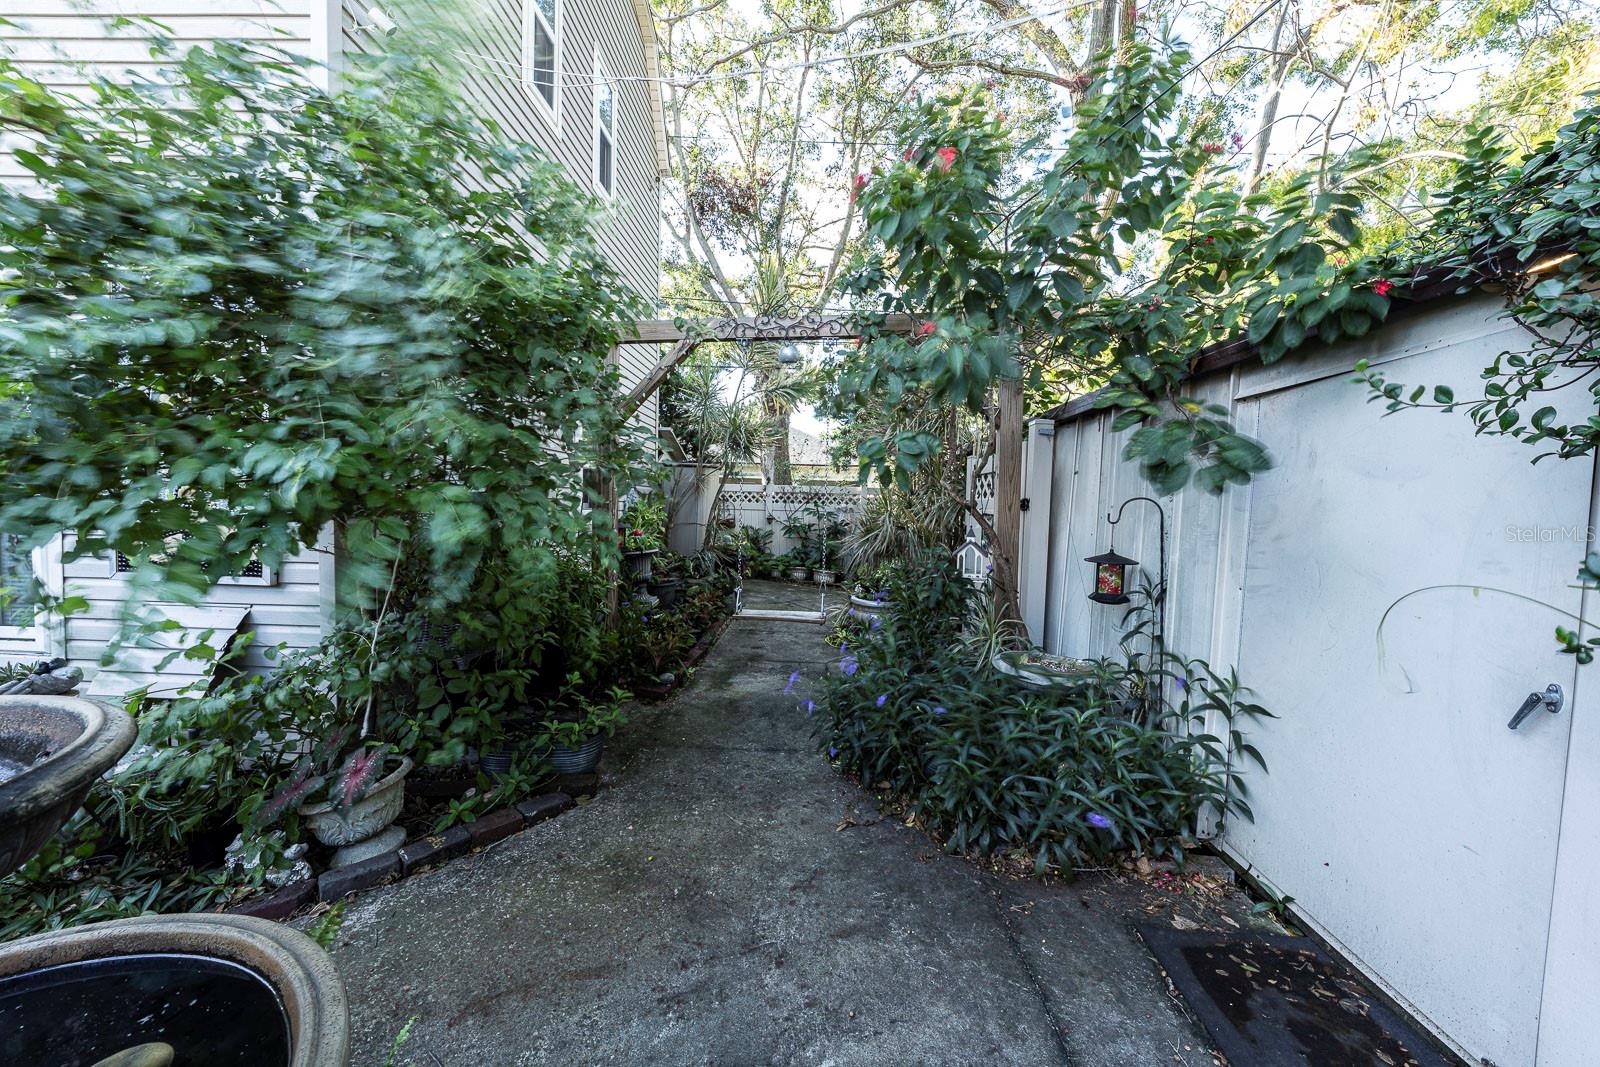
(1211, 148)
(861, 183)
(924, 329)
(947, 158)
(907, 154)
(1382, 286)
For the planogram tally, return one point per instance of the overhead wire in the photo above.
(898, 47)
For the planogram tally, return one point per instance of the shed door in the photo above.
(1405, 819)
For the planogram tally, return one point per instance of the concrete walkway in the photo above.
(727, 898)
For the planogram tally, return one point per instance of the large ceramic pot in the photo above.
(825, 576)
(799, 574)
(581, 760)
(218, 990)
(364, 831)
(51, 751)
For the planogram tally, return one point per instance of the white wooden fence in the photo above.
(768, 507)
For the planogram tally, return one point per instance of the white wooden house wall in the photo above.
(54, 40)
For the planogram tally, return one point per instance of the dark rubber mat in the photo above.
(1283, 1002)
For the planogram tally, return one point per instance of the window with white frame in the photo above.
(605, 127)
(541, 48)
(16, 582)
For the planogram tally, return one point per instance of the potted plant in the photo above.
(801, 531)
(666, 580)
(352, 809)
(799, 568)
(578, 732)
(641, 534)
(871, 592)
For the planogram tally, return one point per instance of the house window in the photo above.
(605, 127)
(540, 40)
(16, 582)
(253, 573)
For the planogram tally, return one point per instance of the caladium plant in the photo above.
(314, 779)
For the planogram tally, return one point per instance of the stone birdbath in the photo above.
(218, 990)
(52, 748)
(1042, 671)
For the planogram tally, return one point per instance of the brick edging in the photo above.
(428, 851)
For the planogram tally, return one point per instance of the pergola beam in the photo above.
(686, 338)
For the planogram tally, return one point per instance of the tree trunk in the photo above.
(1005, 550)
(782, 465)
(1281, 58)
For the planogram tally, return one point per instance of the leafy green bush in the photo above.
(244, 308)
(240, 313)
(996, 767)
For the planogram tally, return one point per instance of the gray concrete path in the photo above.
(727, 898)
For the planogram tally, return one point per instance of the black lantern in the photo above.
(1110, 577)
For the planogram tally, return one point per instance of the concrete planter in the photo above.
(799, 574)
(364, 831)
(51, 751)
(868, 603)
(266, 994)
(825, 576)
(639, 566)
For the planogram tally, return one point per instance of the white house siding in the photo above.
(492, 61)
(65, 43)
(1412, 828)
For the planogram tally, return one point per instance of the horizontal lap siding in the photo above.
(65, 44)
(492, 62)
(289, 612)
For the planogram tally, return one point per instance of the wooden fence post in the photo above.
(1008, 429)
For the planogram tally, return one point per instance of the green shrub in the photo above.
(996, 767)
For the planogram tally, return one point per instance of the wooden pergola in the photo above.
(687, 337)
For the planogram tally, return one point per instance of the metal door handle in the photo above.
(1550, 700)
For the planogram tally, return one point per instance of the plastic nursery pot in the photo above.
(581, 760)
(496, 764)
